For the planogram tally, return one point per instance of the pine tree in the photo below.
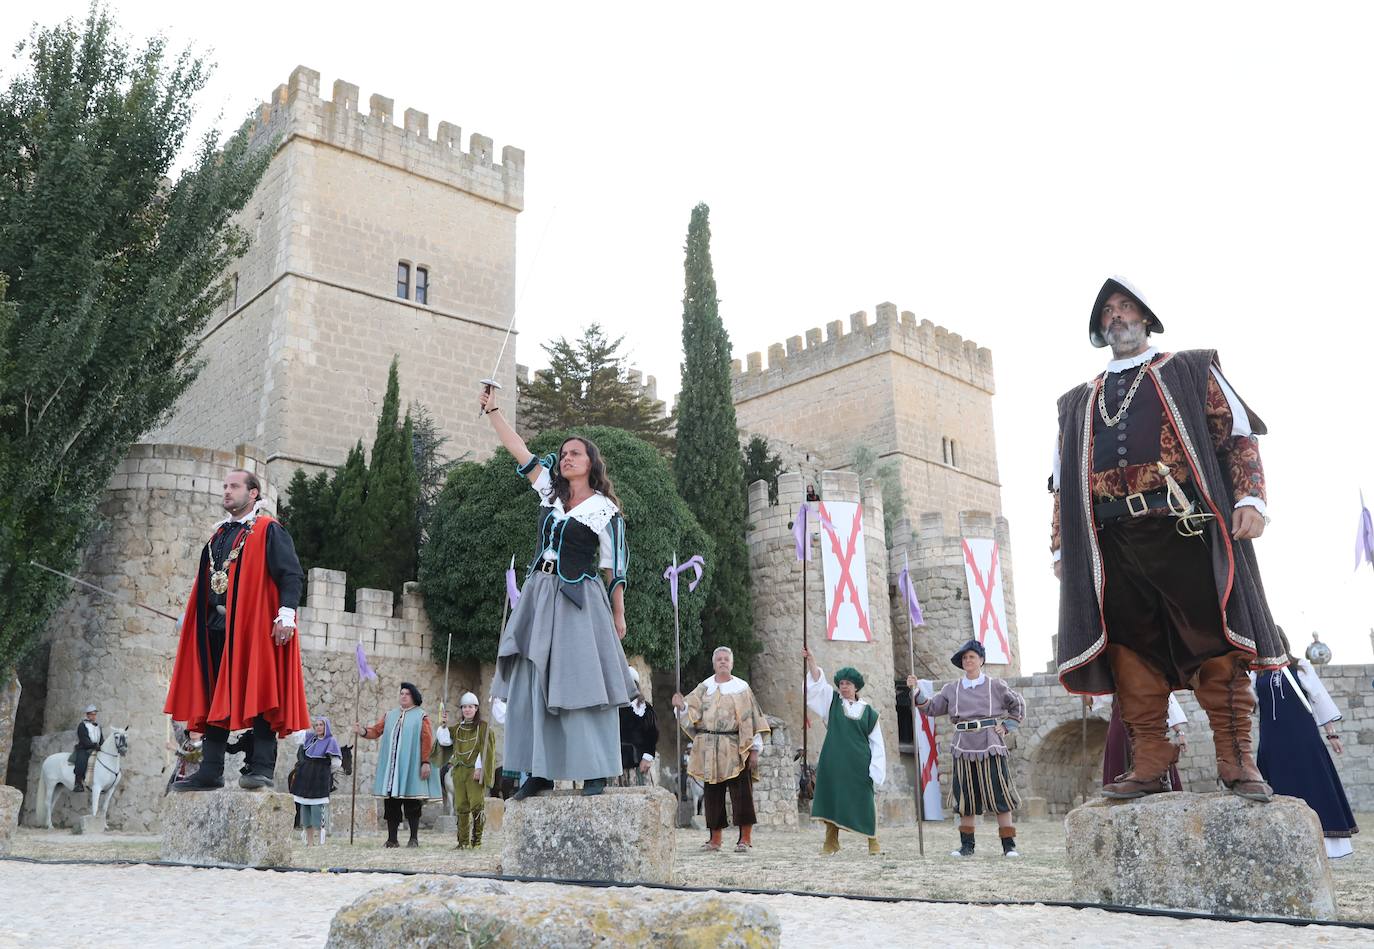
(112, 270)
(587, 383)
(761, 466)
(343, 549)
(709, 476)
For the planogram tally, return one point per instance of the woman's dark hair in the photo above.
(597, 478)
(414, 693)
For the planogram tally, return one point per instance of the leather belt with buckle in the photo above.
(548, 566)
(1133, 505)
(975, 725)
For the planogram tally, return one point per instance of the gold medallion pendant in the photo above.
(219, 581)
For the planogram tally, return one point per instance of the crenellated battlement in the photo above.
(384, 631)
(296, 110)
(801, 357)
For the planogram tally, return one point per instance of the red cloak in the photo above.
(256, 676)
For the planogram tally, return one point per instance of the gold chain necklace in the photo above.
(219, 576)
(1125, 403)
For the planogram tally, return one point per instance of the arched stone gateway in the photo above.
(1065, 766)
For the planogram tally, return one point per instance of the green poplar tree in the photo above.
(707, 467)
(113, 263)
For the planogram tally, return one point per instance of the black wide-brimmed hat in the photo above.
(972, 645)
(1118, 285)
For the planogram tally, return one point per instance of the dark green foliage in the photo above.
(587, 383)
(112, 272)
(309, 516)
(709, 475)
(431, 465)
(387, 537)
(487, 512)
(760, 466)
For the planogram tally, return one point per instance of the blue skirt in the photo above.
(1293, 756)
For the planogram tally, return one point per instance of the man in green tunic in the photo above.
(472, 766)
(853, 760)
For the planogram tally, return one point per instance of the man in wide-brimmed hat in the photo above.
(983, 710)
(1158, 493)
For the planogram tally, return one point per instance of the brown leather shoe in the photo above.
(1143, 695)
(1223, 691)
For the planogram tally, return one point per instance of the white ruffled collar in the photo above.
(725, 688)
(595, 512)
(259, 507)
(854, 709)
(1130, 362)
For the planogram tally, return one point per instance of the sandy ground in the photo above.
(57, 904)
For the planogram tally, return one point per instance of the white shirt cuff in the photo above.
(757, 743)
(1256, 503)
(287, 617)
(1057, 555)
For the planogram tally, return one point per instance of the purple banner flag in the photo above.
(800, 533)
(908, 589)
(675, 570)
(364, 670)
(1364, 540)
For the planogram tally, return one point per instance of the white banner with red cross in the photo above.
(845, 569)
(983, 568)
(929, 756)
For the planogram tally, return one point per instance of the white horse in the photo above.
(58, 771)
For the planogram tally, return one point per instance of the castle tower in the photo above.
(776, 674)
(913, 393)
(369, 240)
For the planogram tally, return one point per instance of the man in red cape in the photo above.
(238, 662)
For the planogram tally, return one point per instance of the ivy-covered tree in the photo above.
(587, 383)
(709, 475)
(111, 270)
(759, 465)
(487, 514)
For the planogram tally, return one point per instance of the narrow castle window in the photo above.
(944, 450)
(950, 452)
(403, 280)
(422, 285)
(236, 292)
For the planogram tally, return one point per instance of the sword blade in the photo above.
(104, 592)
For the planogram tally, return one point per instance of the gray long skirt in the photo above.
(563, 673)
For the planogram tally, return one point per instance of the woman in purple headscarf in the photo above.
(318, 758)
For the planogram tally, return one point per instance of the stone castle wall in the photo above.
(315, 319)
(1049, 758)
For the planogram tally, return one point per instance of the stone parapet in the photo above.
(296, 110)
(11, 800)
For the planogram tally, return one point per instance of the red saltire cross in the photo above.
(845, 559)
(985, 588)
(928, 726)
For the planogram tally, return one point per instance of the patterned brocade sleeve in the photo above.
(1238, 454)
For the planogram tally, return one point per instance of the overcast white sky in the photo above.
(983, 165)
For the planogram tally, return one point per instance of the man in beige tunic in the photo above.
(726, 726)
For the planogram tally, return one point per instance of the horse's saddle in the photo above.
(90, 765)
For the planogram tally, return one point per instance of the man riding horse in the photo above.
(88, 739)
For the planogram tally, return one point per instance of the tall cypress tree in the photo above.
(709, 476)
(386, 523)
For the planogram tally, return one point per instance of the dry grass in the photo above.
(780, 860)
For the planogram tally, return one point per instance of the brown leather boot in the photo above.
(1143, 694)
(1223, 691)
(832, 839)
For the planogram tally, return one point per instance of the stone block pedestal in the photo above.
(11, 799)
(228, 827)
(1214, 853)
(625, 835)
(89, 824)
(451, 912)
(494, 809)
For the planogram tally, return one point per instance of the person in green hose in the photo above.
(853, 760)
(472, 767)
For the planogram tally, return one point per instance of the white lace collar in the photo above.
(1130, 362)
(258, 508)
(967, 683)
(595, 512)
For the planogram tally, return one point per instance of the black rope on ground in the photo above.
(1183, 914)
